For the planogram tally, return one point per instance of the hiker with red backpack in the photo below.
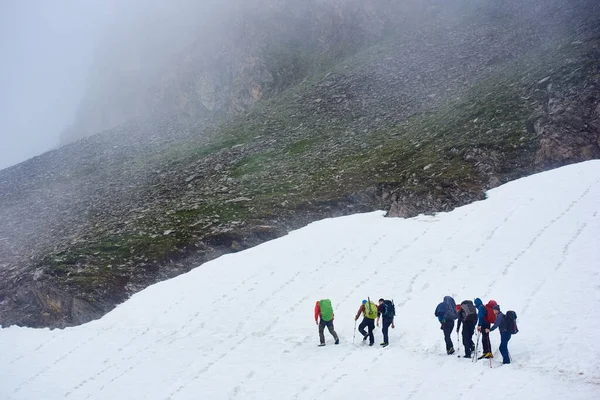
(467, 316)
(324, 318)
(446, 314)
(486, 317)
(369, 311)
(507, 326)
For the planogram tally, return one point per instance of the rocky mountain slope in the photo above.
(164, 64)
(417, 123)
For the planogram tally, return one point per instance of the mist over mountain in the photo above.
(201, 59)
(207, 128)
(47, 49)
(198, 59)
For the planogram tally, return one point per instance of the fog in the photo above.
(71, 68)
(46, 48)
(52, 49)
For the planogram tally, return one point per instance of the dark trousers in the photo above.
(384, 328)
(448, 327)
(504, 338)
(329, 325)
(370, 324)
(485, 338)
(467, 337)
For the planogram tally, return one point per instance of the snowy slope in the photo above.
(241, 327)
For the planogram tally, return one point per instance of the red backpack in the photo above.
(489, 312)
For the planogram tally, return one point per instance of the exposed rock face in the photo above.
(569, 125)
(421, 124)
(409, 203)
(49, 306)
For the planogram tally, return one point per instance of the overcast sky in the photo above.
(46, 48)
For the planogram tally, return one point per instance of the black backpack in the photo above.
(469, 312)
(389, 309)
(511, 322)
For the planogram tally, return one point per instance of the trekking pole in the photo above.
(457, 343)
(354, 334)
(475, 358)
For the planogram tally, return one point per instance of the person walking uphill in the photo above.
(446, 314)
(324, 312)
(369, 310)
(483, 326)
(387, 310)
(505, 334)
(467, 315)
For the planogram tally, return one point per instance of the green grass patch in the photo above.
(251, 164)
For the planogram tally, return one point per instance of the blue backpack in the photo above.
(389, 310)
(450, 308)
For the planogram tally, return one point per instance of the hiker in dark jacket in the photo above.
(387, 321)
(504, 334)
(483, 326)
(369, 310)
(446, 314)
(467, 316)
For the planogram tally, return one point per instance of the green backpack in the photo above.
(370, 310)
(326, 310)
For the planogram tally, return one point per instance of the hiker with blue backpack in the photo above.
(369, 310)
(507, 326)
(485, 317)
(446, 314)
(387, 311)
(324, 318)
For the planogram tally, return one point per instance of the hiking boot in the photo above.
(384, 344)
(321, 344)
(488, 355)
(450, 350)
(371, 344)
(337, 341)
(365, 337)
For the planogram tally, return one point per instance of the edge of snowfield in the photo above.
(242, 326)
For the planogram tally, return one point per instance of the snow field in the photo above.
(242, 327)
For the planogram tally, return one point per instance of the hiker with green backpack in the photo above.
(324, 318)
(369, 310)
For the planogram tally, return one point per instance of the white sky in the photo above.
(46, 49)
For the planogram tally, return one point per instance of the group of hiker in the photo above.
(371, 312)
(485, 318)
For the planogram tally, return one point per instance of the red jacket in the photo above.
(318, 312)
